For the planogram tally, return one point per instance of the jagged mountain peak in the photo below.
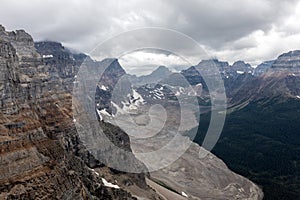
(111, 60)
(49, 45)
(161, 68)
(18, 36)
(213, 61)
(240, 67)
(2, 28)
(114, 65)
(161, 71)
(155, 76)
(241, 63)
(56, 48)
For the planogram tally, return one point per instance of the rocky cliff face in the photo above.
(41, 155)
(62, 64)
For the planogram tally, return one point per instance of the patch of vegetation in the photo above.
(262, 142)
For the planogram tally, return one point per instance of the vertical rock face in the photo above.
(41, 155)
(8, 76)
(62, 64)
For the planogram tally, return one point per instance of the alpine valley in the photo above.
(43, 156)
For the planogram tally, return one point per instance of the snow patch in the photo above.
(177, 93)
(192, 93)
(240, 72)
(157, 93)
(128, 107)
(103, 88)
(99, 114)
(94, 171)
(157, 96)
(119, 110)
(102, 113)
(131, 104)
(108, 184)
(181, 89)
(138, 99)
(47, 56)
(184, 194)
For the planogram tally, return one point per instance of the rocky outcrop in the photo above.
(40, 152)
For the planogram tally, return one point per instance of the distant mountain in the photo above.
(233, 76)
(240, 67)
(133, 103)
(157, 75)
(290, 61)
(160, 72)
(263, 67)
(260, 138)
(277, 79)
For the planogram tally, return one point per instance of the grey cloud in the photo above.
(220, 25)
(217, 22)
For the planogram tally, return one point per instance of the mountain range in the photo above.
(260, 138)
(42, 155)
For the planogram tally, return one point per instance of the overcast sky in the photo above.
(250, 30)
